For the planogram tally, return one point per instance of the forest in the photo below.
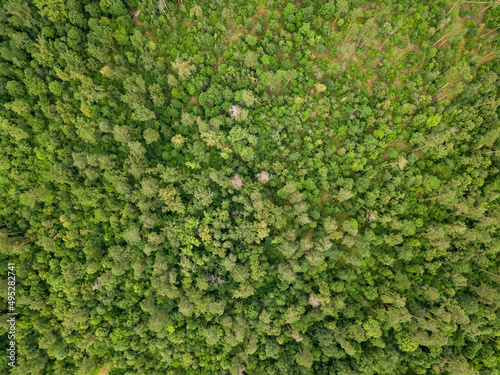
(243, 187)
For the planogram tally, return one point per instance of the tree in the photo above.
(151, 135)
(251, 59)
(304, 358)
(251, 40)
(183, 67)
(20, 13)
(368, 32)
(328, 9)
(248, 98)
(342, 7)
(157, 95)
(347, 50)
(55, 10)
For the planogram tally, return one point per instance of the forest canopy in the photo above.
(245, 187)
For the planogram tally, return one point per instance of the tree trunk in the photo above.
(348, 30)
(489, 32)
(386, 40)
(489, 273)
(444, 86)
(440, 39)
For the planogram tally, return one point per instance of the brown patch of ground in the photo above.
(369, 5)
(478, 14)
(325, 196)
(376, 43)
(237, 32)
(309, 236)
(315, 56)
(231, 38)
(279, 54)
(193, 101)
(105, 370)
(402, 146)
(254, 33)
(219, 60)
(278, 89)
(261, 12)
(369, 83)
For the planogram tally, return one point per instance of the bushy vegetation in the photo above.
(243, 187)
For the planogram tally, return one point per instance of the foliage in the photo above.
(243, 187)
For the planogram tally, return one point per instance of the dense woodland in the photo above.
(242, 187)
